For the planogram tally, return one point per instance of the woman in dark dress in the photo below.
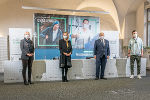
(65, 48)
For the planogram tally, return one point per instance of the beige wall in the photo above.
(130, 25)
(13, 16)
(134, 21)
(140, 22)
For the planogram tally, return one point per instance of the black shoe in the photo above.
(30, 82)
(103, 78)
(66, 80)
(63, 79)
(26, 83)
(96, 78)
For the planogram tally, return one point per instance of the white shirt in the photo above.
(85, 35)
(135, 45)
(55, 34)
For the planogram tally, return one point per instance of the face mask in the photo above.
(65, 37)
(134, 35)
(85, 26)
(27, 36)
(101, 37)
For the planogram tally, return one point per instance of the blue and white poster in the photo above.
(49, 28)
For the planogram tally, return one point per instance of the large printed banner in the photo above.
(113, 37)
(83, 31)
(49, 30)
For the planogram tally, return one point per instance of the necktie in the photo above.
(102, 40)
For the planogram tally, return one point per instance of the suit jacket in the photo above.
(49, 31)
(25, 48)
(63, 49)
(100, 49)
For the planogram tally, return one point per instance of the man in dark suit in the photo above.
(101, 54)
(51, 35)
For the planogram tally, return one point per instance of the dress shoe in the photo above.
(66, 80)
(26, 83)
(63, 79)
(103, 78)
(96, 78)
(30, 82)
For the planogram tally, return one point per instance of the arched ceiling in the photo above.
(92, 5)
(126, 6)
(117, 8)
(61, 4)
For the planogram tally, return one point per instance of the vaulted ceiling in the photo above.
(126, 6)
(117, 8)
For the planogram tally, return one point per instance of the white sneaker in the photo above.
(139, 76)
(132, 76)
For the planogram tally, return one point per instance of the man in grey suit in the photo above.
(101, 54)
(27, 49)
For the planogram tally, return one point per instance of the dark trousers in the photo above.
(64, 73)
(138, 60)
(27, 63)
(100, 66)
(65, 70)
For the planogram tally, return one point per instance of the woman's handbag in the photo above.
(69, 62)
(61, 64)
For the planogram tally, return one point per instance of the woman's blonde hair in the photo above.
(65, 33)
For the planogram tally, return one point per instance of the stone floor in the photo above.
(111, 89)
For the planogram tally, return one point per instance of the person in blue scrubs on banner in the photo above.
(101, 54)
